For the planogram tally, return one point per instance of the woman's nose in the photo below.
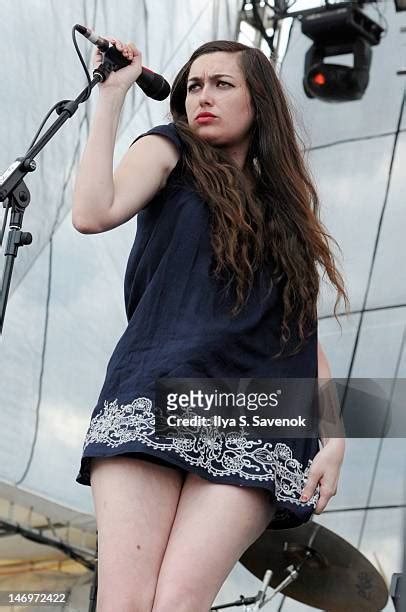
(205, 95)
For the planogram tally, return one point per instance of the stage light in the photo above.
(400, 5)
(338, 31)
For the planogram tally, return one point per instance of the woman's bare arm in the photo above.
(327, 396)
(94, 188)
(102, 200)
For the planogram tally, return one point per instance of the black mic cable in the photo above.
(152, 84)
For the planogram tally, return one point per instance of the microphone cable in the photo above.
(58, 107)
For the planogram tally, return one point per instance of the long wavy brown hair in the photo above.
(274, 225)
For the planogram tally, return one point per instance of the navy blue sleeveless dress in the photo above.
(179, 326)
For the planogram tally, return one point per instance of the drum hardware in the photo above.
(324, 571)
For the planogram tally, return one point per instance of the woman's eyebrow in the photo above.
(212, 77)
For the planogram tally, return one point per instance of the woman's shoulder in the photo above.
(169, 130)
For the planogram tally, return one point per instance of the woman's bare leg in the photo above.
(135, 503)
(213, 526)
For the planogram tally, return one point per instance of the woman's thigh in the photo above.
(213, 526)
(135, 503)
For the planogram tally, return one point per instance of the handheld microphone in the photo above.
(152, 84)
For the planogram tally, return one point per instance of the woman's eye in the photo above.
(190, 88)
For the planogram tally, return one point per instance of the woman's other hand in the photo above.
(325, 470)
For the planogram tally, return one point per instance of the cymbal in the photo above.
(335, 576)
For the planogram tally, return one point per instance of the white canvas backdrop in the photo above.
(66, 310)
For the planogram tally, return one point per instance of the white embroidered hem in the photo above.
(218, 453)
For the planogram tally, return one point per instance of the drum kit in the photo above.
(314, 566)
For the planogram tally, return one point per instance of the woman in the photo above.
(222, 274)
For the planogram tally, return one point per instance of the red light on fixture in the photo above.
(319, 79)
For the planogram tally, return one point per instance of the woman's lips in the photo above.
(205, 119)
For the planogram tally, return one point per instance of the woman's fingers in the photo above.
(126, 76)
(126, 51)
(310, 486)
(324, 471)
(129, 50)
(326, 493)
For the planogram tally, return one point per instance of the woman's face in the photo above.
(217, 85)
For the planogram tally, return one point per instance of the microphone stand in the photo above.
(13, 187)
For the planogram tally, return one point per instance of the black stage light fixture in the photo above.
(337, 31)
(400, 5)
